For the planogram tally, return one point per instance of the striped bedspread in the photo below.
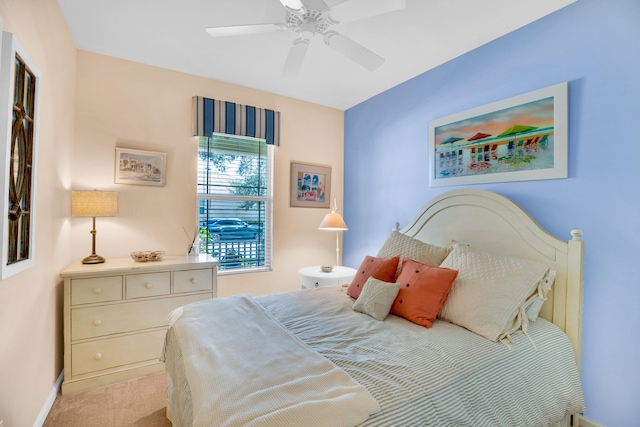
(443, 376)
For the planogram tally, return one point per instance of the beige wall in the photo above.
(126, 104)
(31, 301)
(91, 104)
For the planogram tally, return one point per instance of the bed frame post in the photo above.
(575, 284)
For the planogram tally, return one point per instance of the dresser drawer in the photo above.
(147, 285)
(110, 353)
(129, 316)
(99, 289)
(192, 280)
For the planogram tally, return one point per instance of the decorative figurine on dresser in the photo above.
(115, 313)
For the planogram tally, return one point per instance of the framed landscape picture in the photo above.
(140, 167)
(310, 185)
(516, 139)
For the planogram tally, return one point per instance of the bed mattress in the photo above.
(442, 376)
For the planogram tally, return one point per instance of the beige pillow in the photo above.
(533, 305)
(490, 292)
(408, 247)
(376, 298)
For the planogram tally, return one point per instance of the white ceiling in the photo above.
(171, 34)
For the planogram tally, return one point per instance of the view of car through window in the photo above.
(221, 229)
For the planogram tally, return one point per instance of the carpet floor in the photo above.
(139, 402)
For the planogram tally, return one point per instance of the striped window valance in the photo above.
(214, 116)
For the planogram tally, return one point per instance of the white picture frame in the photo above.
(516, 139)
(310, 185)
(139, 167)
(11, 50)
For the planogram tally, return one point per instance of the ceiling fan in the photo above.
(308, 18)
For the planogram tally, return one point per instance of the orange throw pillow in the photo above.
(423, 289)
(379, 268)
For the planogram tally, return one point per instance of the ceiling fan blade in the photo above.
(319, 5)
(355, 10)
(352, 50)
(294, 6)
(296, 56)
(239, 30)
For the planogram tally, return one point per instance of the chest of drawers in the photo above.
(115, 315)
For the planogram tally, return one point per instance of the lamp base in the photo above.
(93, 259)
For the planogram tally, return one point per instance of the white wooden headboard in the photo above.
(492, 222)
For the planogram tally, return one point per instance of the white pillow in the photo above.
(376, 298)
(490, 292)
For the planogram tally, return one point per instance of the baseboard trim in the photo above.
(586, 422)
(48, 404)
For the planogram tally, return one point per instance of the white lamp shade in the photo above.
(94, 203)
(333, 222)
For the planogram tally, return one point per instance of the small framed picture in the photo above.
(140, 167)
(310, 185)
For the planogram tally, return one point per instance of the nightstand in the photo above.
(313, 277)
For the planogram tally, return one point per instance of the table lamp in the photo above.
(94, 204)
(333, 222)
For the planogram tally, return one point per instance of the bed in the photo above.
(478, 323)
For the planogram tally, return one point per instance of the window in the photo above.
(235, 200)
(20, 81)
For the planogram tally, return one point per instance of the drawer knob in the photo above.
(317, 284)
(97, 322)
(98, 356)
(97, 290)
(148, 285)
(193, 280)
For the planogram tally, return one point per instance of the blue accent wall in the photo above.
(595, 46)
